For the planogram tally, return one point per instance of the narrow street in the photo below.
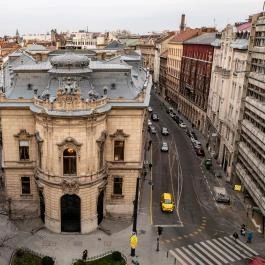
(197, 218)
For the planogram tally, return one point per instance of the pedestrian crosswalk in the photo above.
(218, 251)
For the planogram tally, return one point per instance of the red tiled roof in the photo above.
(185, 35)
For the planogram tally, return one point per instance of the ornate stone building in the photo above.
(72, 134)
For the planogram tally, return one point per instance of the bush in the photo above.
(20, 253)
(116, 255)
(47, 261)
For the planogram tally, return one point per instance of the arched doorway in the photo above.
(100, 206)
(42, 207)
(70, 213)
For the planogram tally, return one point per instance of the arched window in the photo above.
(69, 161)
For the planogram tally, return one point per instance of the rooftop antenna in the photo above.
(263, 7)
(214, 22)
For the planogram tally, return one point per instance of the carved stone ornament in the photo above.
(70, 186)
(101, 140)
(69, 142)
(119, 135)
(23, 135)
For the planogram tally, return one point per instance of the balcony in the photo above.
(44, 177)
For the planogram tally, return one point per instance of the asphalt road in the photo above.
(197, 217)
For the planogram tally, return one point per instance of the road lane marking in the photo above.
(220, 250)
(214, 252)
(200, 255)
(237, 246)
(247, 247)
(206, 253)
(192, 256)
(185, 257)
(182, 262)
(226, 249)
(228, 244)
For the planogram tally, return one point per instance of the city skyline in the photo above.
(137, 17)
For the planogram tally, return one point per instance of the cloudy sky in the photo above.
(138, 16)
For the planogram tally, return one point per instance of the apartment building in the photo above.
(226, 91)
(250, 164)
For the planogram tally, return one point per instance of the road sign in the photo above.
(133, 241)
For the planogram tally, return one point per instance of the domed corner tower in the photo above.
(71, 172)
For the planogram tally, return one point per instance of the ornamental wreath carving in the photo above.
(70, 186)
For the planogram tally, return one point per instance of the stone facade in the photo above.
(73, 147)
(226, 92)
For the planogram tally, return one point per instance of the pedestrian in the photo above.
(249, 237)
(243, 230)
(84, 256)
(235, 235)
(150, 166)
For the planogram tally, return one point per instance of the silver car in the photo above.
(153, 129)
(164, 147)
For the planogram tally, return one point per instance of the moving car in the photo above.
(150, 109)
(167, 203)
(164, 131)
(164, 147)
(152, 129)
(221, 195)
(155, 117)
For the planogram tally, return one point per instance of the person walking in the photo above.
(243, 230)
(84, 256)
(235, 235)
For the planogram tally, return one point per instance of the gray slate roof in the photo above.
(114, 79)
(204, 39)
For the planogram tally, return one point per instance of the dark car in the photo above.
(176, 118)
(199, 151)
(155, 117)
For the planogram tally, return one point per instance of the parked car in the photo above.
(164, 147)
(199, 151)
(149, 123)
(150, 109)
(221, 195)
(164, 131)
(169, 110)
(182, 125)
(172, 114)
(196, 144)
(155, 117)
(167, 204)
(152, 129)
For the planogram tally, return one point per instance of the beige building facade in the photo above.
(227, 88)
(72, 139)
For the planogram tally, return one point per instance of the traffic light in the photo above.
(159, 230)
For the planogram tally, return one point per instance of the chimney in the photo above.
(182, 23)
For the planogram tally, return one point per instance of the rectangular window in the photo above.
(25, 185)
(23, 150)
(119, 150)
(117, 185)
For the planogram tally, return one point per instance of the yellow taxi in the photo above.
(167, 202)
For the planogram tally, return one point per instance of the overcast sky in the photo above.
(138, 16)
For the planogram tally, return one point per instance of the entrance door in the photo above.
(42, 207)
(70, 213)
(100, 206)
